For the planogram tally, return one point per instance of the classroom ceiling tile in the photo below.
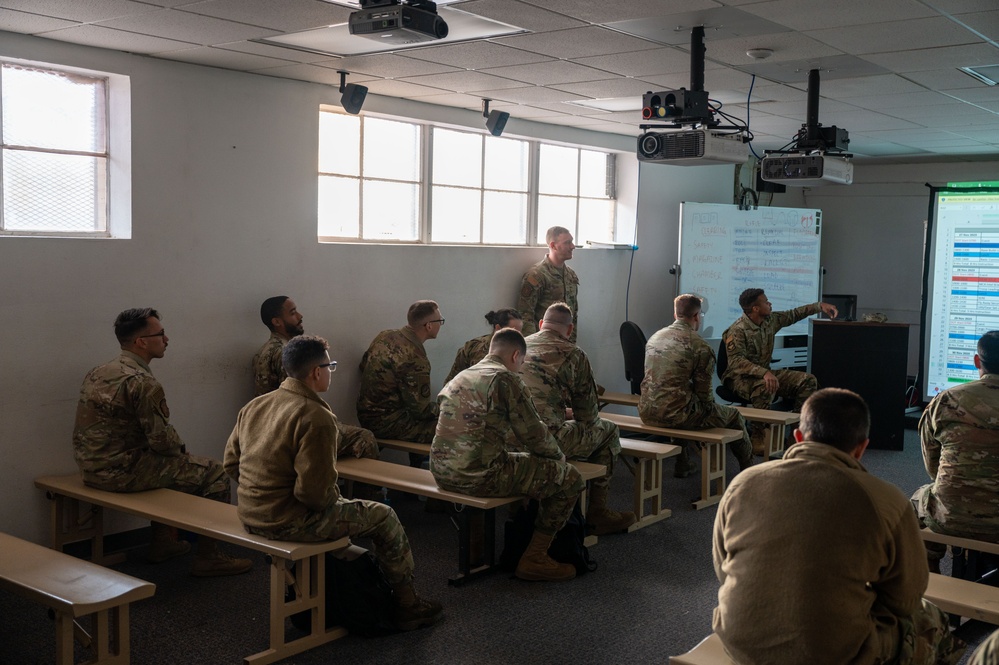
(521, 14)
(27, 23)
(922, 33)
(463, 81)
(118, 40)
(174, 24)
(390, 65)
(803, 14)
(475, 55)
(216, 57)
(577, 42)
(82, 12)
(283, 16)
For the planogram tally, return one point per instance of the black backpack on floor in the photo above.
(567, 547)
(357, 595)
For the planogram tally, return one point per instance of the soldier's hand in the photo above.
(771, 382)
(829, 310)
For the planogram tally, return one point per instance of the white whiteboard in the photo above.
(724, 251)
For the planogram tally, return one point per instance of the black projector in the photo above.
(397, 24)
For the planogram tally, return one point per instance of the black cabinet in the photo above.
(870, 359)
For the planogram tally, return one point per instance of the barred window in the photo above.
(55, 139)
(576, 190)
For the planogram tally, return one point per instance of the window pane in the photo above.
(339, 207)
(391, 210)
(596, 220)
(457, 158)
(339, 144)
(555, 211)
(391, 150)
(456, 214)
(557, 171)
(505, 218)
(506, 164)
(593, 174)
(50, 192)
(49, 109)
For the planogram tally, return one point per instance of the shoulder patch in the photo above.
(730, 344)
(526, 291)
(531, 278)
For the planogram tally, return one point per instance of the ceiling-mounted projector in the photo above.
(692, 147)
(391, 22)
(807, 170)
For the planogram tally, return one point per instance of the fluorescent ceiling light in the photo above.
(987, 74)
(610, 104)
(337, 40)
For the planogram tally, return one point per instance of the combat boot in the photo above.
(684, 465)
(164, 544)
(411, 611)
(602, 519)
(213, 562)
(536, 566)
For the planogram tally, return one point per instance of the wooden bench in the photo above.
(965, 552)
(713, 442)
(421, 482)
(952, 595)
(777, 422)
(73, 588)
(648, 478)
(301, 565)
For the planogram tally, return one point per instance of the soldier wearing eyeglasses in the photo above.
(123, 440)
(282, 318)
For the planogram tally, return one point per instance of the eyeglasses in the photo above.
(161, 333)
(440, 321)
(331, 364)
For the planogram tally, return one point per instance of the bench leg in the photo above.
(648, 487)
(309, 584)
(64, 638)
(775, 441)
(463, 522)
(69, 523)
(110, 640)
(712, 475)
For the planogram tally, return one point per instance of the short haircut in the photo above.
(837, 417)
(748, 298)
(507, 339)
(988, 351)
(554, 232)
(686, 305)
(301, 354)
(558, 314)
(270, 309)
(420, 311)
(502, 317)
(131, 322)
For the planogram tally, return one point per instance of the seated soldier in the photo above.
(282, 318)
(394, 400)
(490, 441)
(959, 431)
(123, 440)
(819, 561)
(476, 349)
(560, 379)
(282, 453)
(676, 390)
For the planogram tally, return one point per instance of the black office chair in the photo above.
(720, 367)
(633, 344)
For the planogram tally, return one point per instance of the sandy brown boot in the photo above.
(213, 562)
(602, 519)
(411, 611)
(536, 566)
(164, 544)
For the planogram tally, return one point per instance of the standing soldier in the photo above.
(560, 379)
(749, 344)
(491, 442)
(676, 390)
(549, 282)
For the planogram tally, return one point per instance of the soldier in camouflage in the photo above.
(749, 344)
(123, 440)
(549, 282)
(476, 349)
(676, 390)
(560, 379)
(987, 652)
(282, 453)
(282, 318)
(959, 431)
(490, 441)
(394, 400)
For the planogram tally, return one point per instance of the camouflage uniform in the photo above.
(472, 352)
(987, 652)
(268, 373)
(394, 400)
(750, 348)
(543, 286)
(676, 390)
(558, 374)
(490, 441)
(123, 440)
(959, 431)
(282, 453)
